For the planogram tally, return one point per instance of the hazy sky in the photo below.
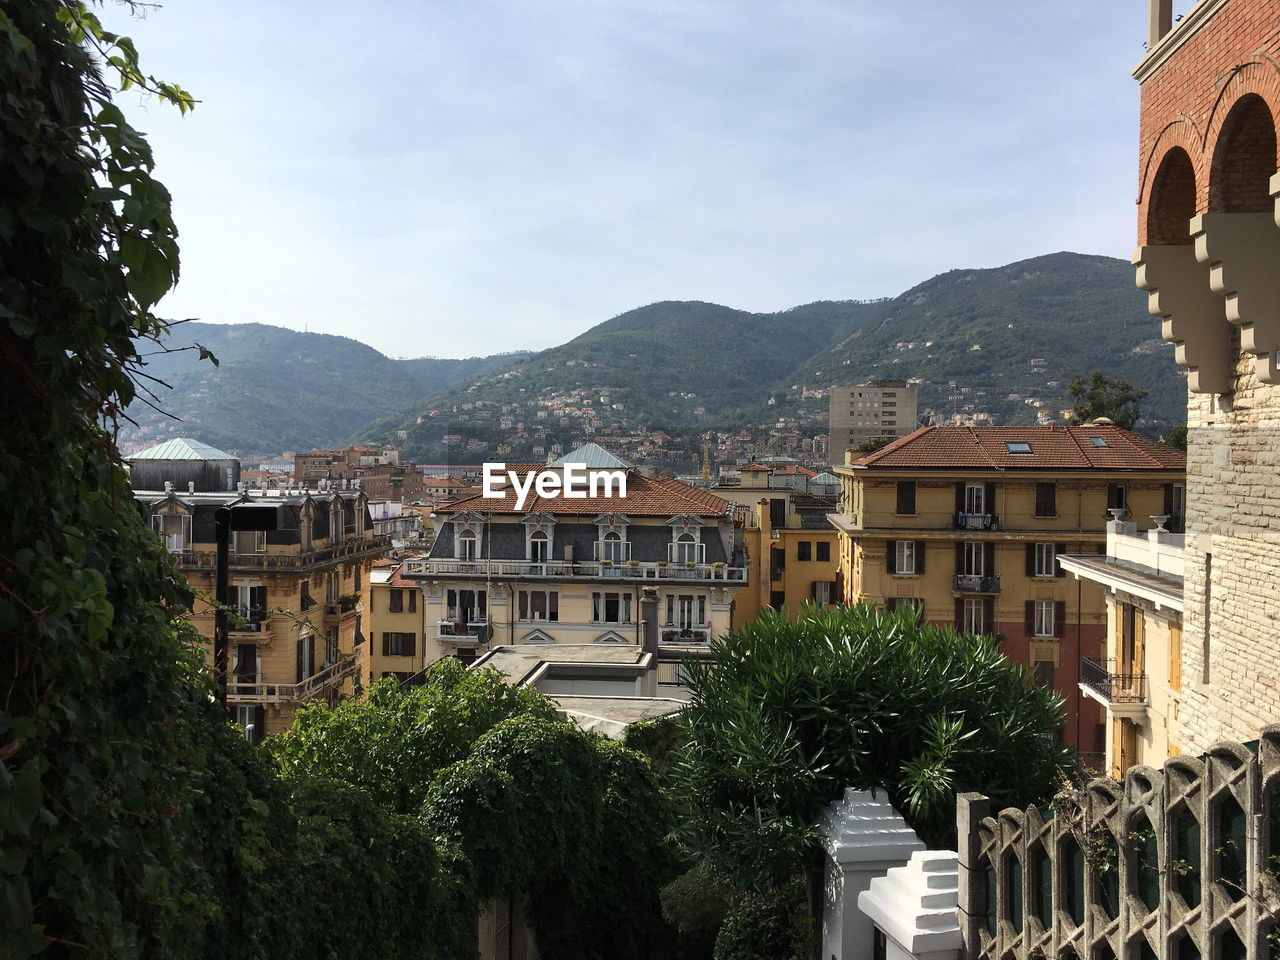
(459, 177)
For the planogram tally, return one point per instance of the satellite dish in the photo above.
(485, 633)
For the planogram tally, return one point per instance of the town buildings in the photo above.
(966, 525)
(874, 410)
(381, 474)
(397, 643)
(570, 570)
(298, 592)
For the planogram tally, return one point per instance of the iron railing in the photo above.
(1100, 677)
(566, 569)
(976, 583)
(976, 521)
(256, 691)
(349, 550)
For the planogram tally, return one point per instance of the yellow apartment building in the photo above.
(298, 592)
(398, 644)
(966, 524)
(556, 569)
(789, 565)
(1138, 680)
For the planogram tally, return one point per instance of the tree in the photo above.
(1178, 437)
(1104, 396)
(787, 714)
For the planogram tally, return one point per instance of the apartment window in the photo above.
(686, 611)
(1046, 499)
(611, 607)
(252, 720)
(686, 550)
(539, 547)
(804, 550)
(824, 551)
(777, 512)
(398, 644)
(1043, 620)
(395, 601)
(1175, 506)
(305, 655)
(304, 595)
(466, 545)
(246, 542)
(906, 498)
(822, 591)
(176, 531)
(1044, 559)
(1116, 497)
(251, 603)
(974, 618)
(613, 548)
(245, 666)
(539, 605)
(906, 556)
(467, 606)
(975, 498)
(355, 575)
(973, 557)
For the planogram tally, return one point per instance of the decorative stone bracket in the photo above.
(1242, 251)
(1194, 317)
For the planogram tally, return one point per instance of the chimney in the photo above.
(191, 486)
(647, 684)
(168, 486)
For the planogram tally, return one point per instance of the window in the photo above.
(1046, 499)
(1046, 560)
(245, 666)
(306, 657)
(1116, 497)
(1098, 442)
(252, 720)
(467, 606)
(611, 607)
(246, 542)
(398, 644)
(1043, 624)
(804, 550)
(1044, 673)
(613, 548)
(304, 595)
(412, 593)
(251, 606)
(176, 531)
(1018, 448)
(539, 605)
(395, 601)
(974, 557)
(975, 498)
(903, 556)
(539, 547)
(686, 611)
(355, 574)
(466, 545)
(686, 550)
(824, 551)
(822, 591)
(777, 512)
(974, 616)
(906, 498)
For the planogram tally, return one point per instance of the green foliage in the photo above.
(1178, 437)
(789, 713)
(772, 924)
(1104, 396)
(696, 903)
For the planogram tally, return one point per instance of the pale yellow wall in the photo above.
(380, 619)
(1157, 727)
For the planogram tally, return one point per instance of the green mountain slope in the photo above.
(1074, 312)
(276, 389)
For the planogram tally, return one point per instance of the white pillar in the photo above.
(916, 907)
(863, 836)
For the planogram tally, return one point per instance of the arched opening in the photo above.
(539, 547)
(466, 545)
(1244, 159)
(1172, 202)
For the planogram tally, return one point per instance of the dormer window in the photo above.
(175, 529)
(612, 548)
(687, 549)
(539, 547)
(1098, 442)
(467, 545)
(1018, 448)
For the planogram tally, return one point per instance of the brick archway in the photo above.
(1171, 199)
(1243, 158)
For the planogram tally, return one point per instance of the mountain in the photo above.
(276, 389)
(684, 366)
(983, 328)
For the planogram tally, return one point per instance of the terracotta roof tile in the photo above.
(646, 497)
(1052, 448)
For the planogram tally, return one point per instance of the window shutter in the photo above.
(959, 558)
(413, 599)
(891, 557)
(1060, 619)
(990, 498)
(1059, 549)
(1168, 499)
(386, 644)
(1031, 560)
(989, 559)
(409, 643)
(259, 723)
(1113, 496)
(988, 615)
(959, 496)
(300, 658)
(813, 590)
(960, 614)
(919, 556)
(838, 591)
(1029, 617)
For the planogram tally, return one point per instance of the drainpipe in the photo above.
(648, 684)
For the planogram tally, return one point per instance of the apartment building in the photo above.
(966, 525)
(298, 592)
(1138, 680)
(398, 645)
(570, 570)
(381, 474)
(874, 410)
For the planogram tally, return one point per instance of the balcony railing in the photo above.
(207, 559)
(465, 629)
(976, 583)
(242, 690)
(248, 619)
(676, 634)
(1112, 687)
(977, 521)
(564, 569)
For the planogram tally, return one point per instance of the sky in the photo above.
(463, 177)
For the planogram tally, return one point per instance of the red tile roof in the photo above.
(646, 497)
(1052, 448)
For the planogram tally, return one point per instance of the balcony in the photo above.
(248, 619)
(565, 569)
(975, 583)
(1123, 694)
(328, 677)
(676, 634)
(460, 630)
(977, 521)
(299, 560)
